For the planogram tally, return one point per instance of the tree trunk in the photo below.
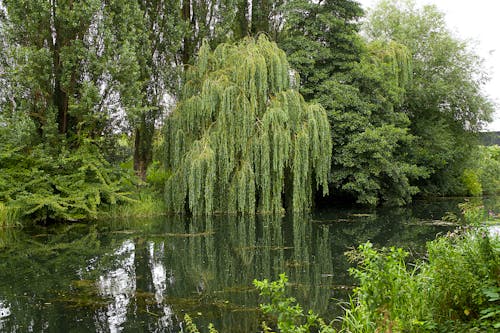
(261, 11)
(143, 147)
(241, 26)
(60, 98)
(186, 41)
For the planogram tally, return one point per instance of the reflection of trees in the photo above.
(33, 268)
(4, 313)
(119, 285)
(160, 279)
(143, 275)
(8, 237)
(241, 249)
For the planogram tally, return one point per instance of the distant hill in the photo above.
(489, 138)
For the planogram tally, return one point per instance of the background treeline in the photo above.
(87, 86)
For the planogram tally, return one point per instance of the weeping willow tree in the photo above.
(242, 139)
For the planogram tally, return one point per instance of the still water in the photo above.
(144, 275)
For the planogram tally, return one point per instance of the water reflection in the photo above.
(142, 276)
(118, 284)
(160, 280)
(4, 313)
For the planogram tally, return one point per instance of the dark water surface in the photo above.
(144, 275)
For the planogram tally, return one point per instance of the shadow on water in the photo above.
(143, 275)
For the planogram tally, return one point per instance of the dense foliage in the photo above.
(69, 187)
(361, 84)
(444, 102)
(403, 101)
(480, 177)
(241, 137)
(457, 288)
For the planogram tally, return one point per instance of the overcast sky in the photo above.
(477, 20)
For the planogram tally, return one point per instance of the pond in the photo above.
(144, 275)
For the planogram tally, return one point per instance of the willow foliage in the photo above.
(395, 61)
(242, 139)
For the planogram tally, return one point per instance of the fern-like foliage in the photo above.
(68, 187)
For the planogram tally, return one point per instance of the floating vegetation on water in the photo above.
(331, 221)
(83, 284)
(238, 289)
(434, 222)
(166, 234)
(125, 232)
(184, 235)
(83, 294)
(268, 247)
(362, 215)
(295, 263)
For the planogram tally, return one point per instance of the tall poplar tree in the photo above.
(242, 138)
(147, 35)
(50, 66)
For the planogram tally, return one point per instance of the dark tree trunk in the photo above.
(60, 98)
(143, 147)
(261, 11)
(186, 41)
(241, 26)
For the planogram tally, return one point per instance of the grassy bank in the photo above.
(146, 204)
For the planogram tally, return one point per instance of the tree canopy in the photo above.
(242, 139)
(445, 101)
(87, 85)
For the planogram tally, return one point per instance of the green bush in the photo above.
(8, 215)
(461, 266)
(145, 204)
(156, 176)
(390, 296)
(62, 184)
(290, 316)
(489, 165)
(470, 180)
(481, 175)
(456, 289)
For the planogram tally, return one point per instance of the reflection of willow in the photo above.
(310, 265)
(220, 267)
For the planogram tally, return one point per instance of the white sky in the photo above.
(477, 20)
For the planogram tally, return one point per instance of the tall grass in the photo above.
(145, 205)
(9, 216)
(391, 295)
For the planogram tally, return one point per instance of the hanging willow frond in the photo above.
(240, 131)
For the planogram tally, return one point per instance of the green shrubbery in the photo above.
(490, 169)
(44, 184)
(8, 215)
(481, 177)
(455, 290)
(145, 203)
(290, 316)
